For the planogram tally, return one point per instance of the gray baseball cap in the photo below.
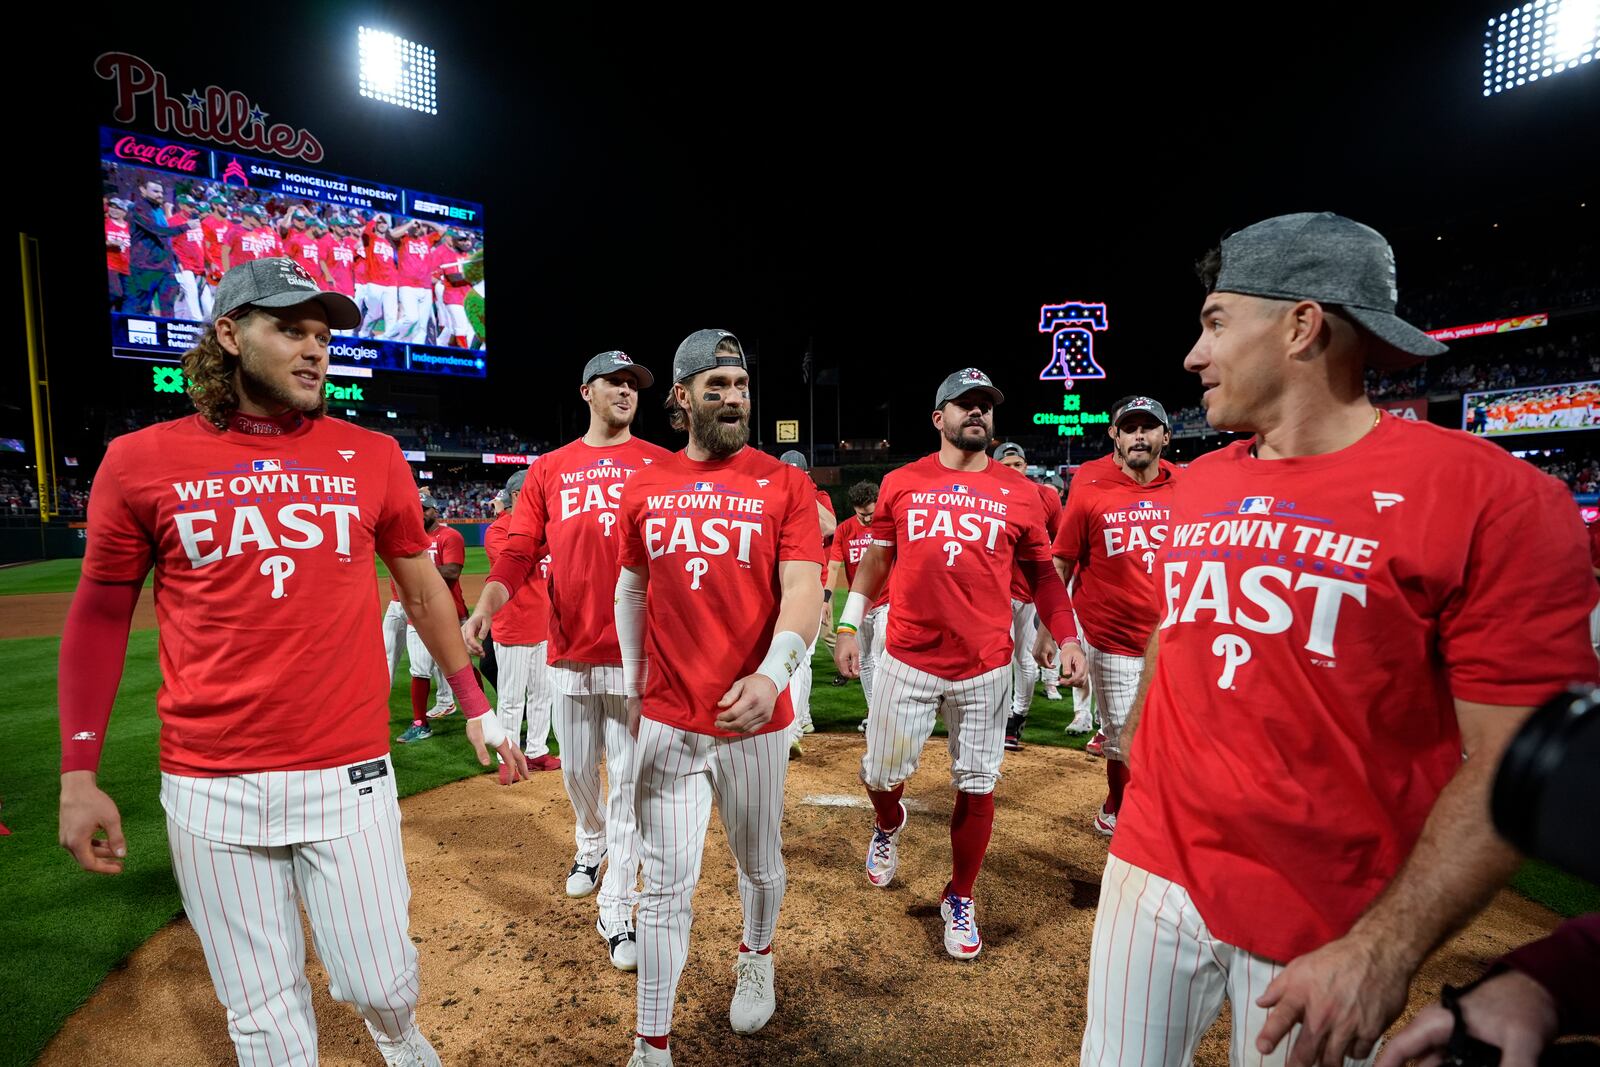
(970, 380)
(503, 498)
(1010, 448)
(614, 363)
(427, 499)
(514, 483)
(698, 352)
(1142, 403)
(280, 282)
(795, 458)
(1328, 258)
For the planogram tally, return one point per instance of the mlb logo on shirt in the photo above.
(604, 462)
(1145, 504)
(1256, 505)
(259, 465)
(703, 487)
(958, 488)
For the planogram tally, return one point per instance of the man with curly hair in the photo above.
(261, 518)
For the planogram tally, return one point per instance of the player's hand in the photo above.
(847, 654)
(473, 631)
(635, 706)
(1510, 1011)
(1344, 995)
(84, 810)
(1074, 665)
(747, 707)
(1044, 648)
(511, 756)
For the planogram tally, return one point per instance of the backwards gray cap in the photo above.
(1328, 258)
(971, 380)
(514, 483)
(615, 363)
(1145, 404)
(1010, 448)
(699, 352)
(280, 282)
(794, 458)
(503, 498)
(427, 499)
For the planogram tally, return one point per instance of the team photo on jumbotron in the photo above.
(983, 541)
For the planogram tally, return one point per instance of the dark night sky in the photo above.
(906, 191)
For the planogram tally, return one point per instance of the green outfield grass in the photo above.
(61, 575)
(63, 930)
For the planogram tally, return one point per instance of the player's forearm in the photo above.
(1065, 569)
(800, 608)
(93, 646)
(1457, 865)
(872, 572)
(494, 597)
(1051, 600)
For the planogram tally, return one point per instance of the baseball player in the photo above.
(954, 524)
(1105, 550)
(448, 550)
(336, 250)
(383, 295)
(450, 261)
(850, 543)
(255, 238)
(261, 518)
(569, 509)
(189, 250)
(215, 227)
(117, 241)
(1024, 618)
(727, 543)
(1358, 593)
(413, 272)
(150, 286)
(520, 643)
(800, 686)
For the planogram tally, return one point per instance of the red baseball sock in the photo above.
(419, 700)
(746, 948)
(655, 1042)
(970, 825)
(887, 804)
(1117, 780)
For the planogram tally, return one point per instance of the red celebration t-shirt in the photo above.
(263, 552)
(956, 536)
(712, 536)
(525, 619)
(1110, 533)
(850, 543)
(1050, 505)
(1320, 616)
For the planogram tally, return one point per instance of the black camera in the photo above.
(1548, 786)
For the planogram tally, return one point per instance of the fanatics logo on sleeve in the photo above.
(648, 461)
(347, 454)
(1254, 505)
(1386, 500)
(762, 482)
(259, 465)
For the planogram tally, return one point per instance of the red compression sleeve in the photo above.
(1051, 600)
(93, 646)
(469, 694)
(516, 562)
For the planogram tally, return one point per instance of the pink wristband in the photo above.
(464, 683)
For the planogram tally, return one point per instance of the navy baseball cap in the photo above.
(280, 282)
(1328, 258)
(970, 380)
(616, 363)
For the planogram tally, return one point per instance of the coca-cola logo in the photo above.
(222, 116)
(167, 157)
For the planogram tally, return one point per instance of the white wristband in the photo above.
(855, 609)
(494, 731)
(784, 656)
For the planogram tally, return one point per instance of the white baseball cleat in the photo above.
(961, 938)
(581, 880)
(883, 854)
(1081, 723)
(1105, 821)
(441, 711)
(647, 1055)
(1052, 692)
(753, 998)
(621, 944)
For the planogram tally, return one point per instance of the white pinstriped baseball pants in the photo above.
(1024, 670)
(906, 702)
(1157, 978)
(421, 665)
(241, 900)
(591, 726)
(1115, 681)
(874, 625)
(523, 692)
(800, 692)
(394, 635)
(678, 775)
